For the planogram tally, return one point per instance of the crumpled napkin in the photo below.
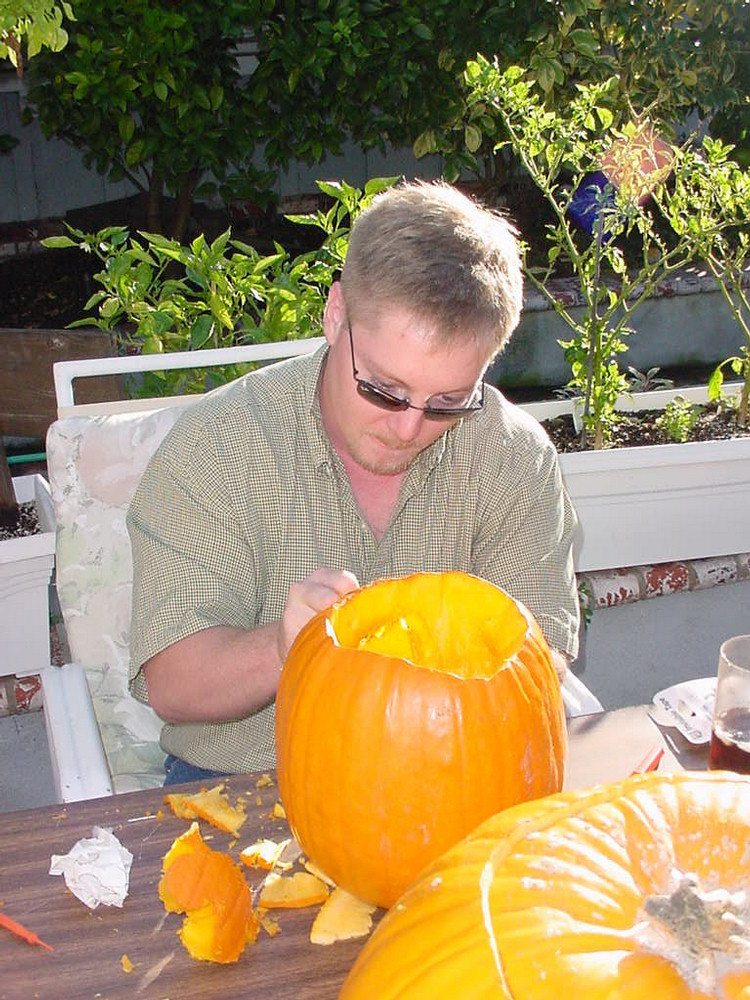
(96, 869)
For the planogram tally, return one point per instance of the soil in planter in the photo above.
(714, 423)
(27, 523)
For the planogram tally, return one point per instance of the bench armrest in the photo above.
(79, 765)
(577, 698)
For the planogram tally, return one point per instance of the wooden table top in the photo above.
(89, 944)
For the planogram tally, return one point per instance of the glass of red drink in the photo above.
(730, 734)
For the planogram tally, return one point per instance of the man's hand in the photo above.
(560, 662)
(313, 594)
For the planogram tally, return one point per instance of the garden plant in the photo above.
(592, 215)
(689, 58)
(26, 27)
(159, 295)
(712, 207)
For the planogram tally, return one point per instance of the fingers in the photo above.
(560, 663)
(322, 588)
(309, 596)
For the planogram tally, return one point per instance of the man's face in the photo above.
(396, 351)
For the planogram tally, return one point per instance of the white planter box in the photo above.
(657, 503)
(25, 574)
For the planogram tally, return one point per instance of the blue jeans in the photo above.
(178, 771)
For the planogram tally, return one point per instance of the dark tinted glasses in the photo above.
(387, 401)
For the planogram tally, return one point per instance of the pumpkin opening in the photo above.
(423, 619)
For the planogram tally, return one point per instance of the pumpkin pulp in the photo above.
(436, 632)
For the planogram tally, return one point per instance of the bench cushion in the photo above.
(95, 464)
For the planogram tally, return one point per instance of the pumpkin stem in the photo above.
(703, 933)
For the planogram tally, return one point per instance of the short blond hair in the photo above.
(431, 249)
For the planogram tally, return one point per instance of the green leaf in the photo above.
(161, 322)
(95, 298)
(472, 138)
(109, 308)
(377, 184)
(161, 90)
(135, 154)
(200, 331)
(423, 31)
(58, 242)
(152, 345)
(332, 189)
(424, 144)
(216, 96)
(126, 128)
(201, 98)
(266, 263)
(585, 42)
(544, 72)
(715, 383)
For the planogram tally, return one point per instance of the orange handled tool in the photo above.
(651, 761)
(23, 932)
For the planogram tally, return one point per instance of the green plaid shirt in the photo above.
(246, 496)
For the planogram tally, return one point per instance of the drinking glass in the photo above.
(730, 733)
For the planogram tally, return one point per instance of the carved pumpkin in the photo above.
(632, 890)
(407, 713)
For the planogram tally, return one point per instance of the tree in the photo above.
(151, 91)
(680, 55)
(372, 72)
(37, 23)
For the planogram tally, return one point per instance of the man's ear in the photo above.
(334, 317)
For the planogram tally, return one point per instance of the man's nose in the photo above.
(406, 424)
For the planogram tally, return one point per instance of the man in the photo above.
(382, 454)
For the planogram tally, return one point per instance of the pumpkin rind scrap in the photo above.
(211, 890)
(639, 889)
(341, 918)
(210, 804)
(291, 892)
(406, 714)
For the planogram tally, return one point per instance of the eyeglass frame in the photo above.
(385, 400)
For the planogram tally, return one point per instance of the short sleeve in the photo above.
(525, 539)
(193, 565)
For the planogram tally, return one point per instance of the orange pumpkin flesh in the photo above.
(209, 804)
(291, 892)
(341, 918)
(211, 890)
(406, 714)
(628, 891)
